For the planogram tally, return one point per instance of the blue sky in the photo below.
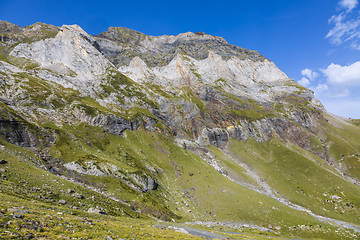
(315, 42)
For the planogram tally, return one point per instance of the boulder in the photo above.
(97, 210)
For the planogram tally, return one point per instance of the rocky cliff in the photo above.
(158, 125)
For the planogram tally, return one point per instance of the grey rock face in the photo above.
(260, 130)
(138, 181)
(217, 137)
(123, 35)
(145, 182)
(16, 133)
(115, 124)
(20, 133)
(159, 51)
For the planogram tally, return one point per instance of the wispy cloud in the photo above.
(348, 4)
(345, 25)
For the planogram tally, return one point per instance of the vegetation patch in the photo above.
(299, 179)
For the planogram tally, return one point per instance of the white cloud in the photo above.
(348, 4)
(304, 81)
(343, 75)
(310, 74)
(338, 88)
(321, 88)
(346, 26)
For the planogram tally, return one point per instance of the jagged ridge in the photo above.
(159, 51)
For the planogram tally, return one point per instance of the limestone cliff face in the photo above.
(196, 59)
(202, 82)
(259, 80)
(69, 54)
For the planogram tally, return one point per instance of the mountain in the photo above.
(125, 135)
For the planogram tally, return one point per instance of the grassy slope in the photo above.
(229, 201)
(299, 179)
(28, 188)
(47, 221)
(188, 186)
(29, 182)
(342, 141)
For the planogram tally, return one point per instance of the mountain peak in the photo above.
(199, 36)
(74, 28)
(122, 35)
